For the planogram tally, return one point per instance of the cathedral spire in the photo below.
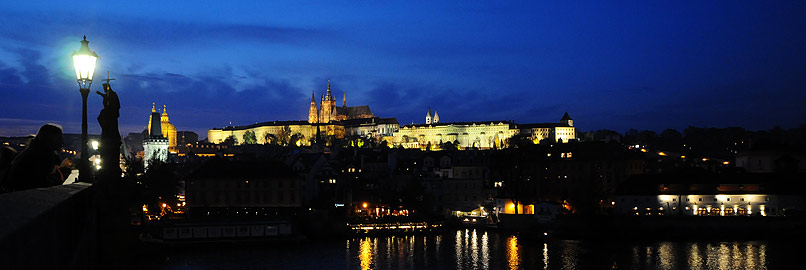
(329, 95)
(344, 102)
(153, 108)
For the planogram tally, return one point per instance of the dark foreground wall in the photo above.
(48, 228)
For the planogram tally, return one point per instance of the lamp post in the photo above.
(84, 62)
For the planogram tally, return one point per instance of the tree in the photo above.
(285, 135)
(160, 184)
(296, 139)
(671, 139)
(447, 146)
(270, 139)
(249, 137)
(230, 141)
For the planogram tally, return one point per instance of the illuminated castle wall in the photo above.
(482, 135)
(276, 130)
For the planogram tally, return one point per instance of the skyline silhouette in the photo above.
(648, 66)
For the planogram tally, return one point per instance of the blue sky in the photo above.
(610, 65)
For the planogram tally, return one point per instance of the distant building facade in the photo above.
(481, 134)
(271, 132)
(563, 131)
(232, 188)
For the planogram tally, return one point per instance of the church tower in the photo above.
(313, 114)
(436, 117)
(567, 120)
(428, 117)
(155, 146)
(328, 106)
(168, 129)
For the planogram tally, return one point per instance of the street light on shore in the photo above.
(84, 61)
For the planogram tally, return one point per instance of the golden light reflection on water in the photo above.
(694, 259)
(479, 249)
(727, 255)
(365, 255)
(458, 248)
(762, 254)
(666, 256)
(474, 250)
(485, 250)
(513, 258)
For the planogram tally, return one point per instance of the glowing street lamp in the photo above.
(84, 61)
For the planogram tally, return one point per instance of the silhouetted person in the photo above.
(7, 155)
(38, 165)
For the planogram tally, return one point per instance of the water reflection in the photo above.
(513, 258)
(479, 249)
(476, 249)
(366, 254)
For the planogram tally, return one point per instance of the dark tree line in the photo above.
(715, 141)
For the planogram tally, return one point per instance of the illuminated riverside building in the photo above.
(710, 195)
(480, 134)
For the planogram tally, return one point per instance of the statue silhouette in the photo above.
(110, 136)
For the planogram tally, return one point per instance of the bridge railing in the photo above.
(48, 228)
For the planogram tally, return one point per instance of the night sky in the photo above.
(640, 64)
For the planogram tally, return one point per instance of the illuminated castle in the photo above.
(327, 111)
(325, 119)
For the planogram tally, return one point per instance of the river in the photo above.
(480, 249)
